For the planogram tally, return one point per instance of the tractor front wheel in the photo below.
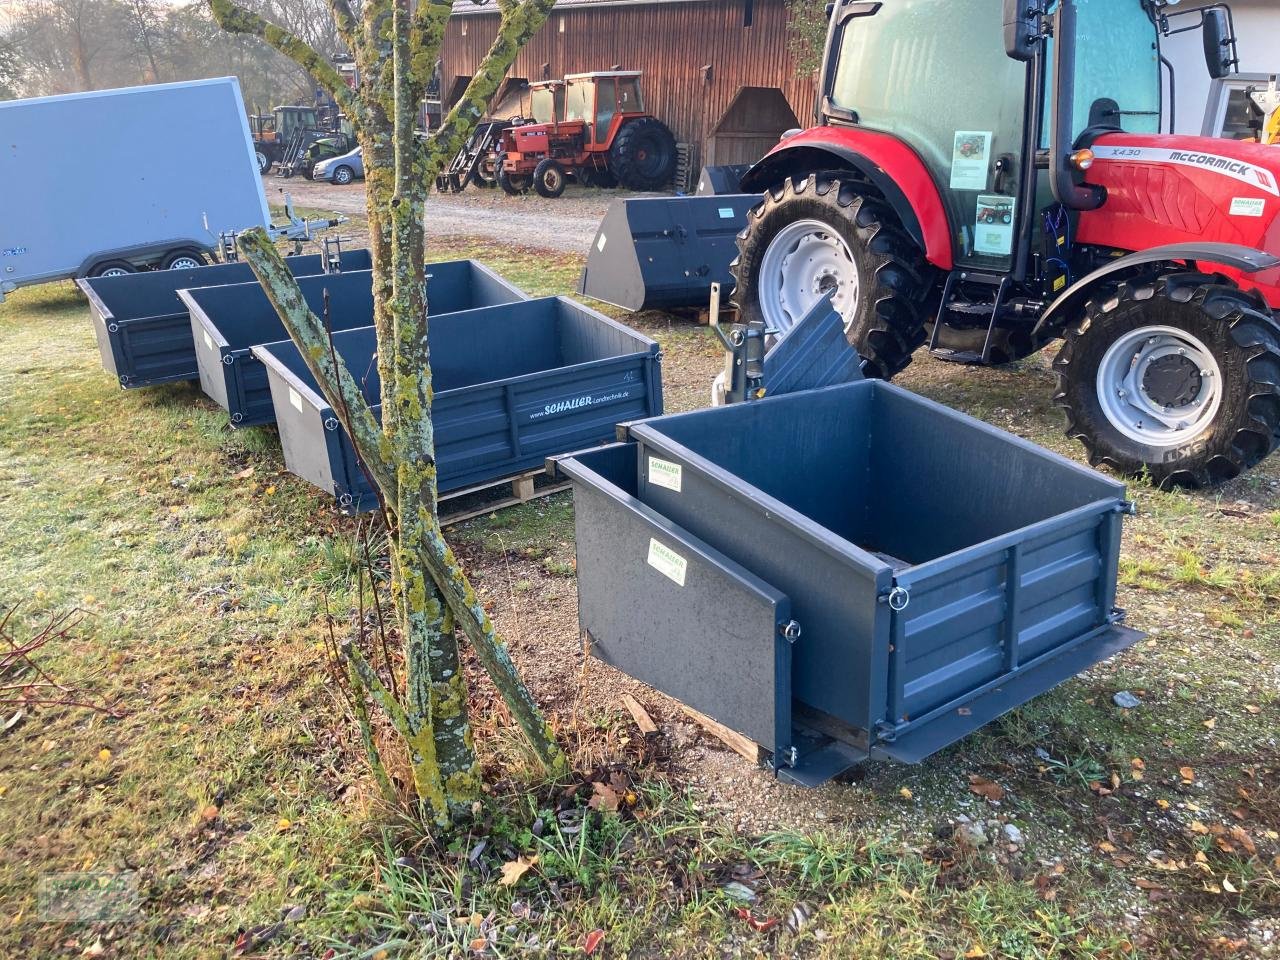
(643, 154)
(818, 235)
(548, 178)
(1176, 376)
(512, 184)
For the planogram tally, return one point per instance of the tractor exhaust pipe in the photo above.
(1067, 189)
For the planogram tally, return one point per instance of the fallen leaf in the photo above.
(210, 812)
(513, 870)
(1211, 723)
(480, 944)
(755, 922)
(605, 797)
(283, 824)
(1138, 763)
(594, 939)
(104, 754)
(1162, 804)
(1253, 708)
(244, 474)
(1244, 840)
(1198, 827)
(1228, 886)
(983, 787)
(1188, 775)
(905, 793)
(1142, 883)
(1107, 847)
(974, 952)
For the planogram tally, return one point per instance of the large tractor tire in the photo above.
(1174, 376)
(264, 160)
(817, 235)
(643, 155)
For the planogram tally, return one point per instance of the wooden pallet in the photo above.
(522, 491)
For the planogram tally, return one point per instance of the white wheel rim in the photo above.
(184, 263)
(114, 272)
(342, 176)
(805, 261)
(1159, 386)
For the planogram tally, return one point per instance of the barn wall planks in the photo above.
(672, 43)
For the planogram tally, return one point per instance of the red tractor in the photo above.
(591, 126)
(1039, 202)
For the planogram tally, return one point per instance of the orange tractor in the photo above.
(592, 127)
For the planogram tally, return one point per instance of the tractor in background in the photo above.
(1042, 204)
(592, 127)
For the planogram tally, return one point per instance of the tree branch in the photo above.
(308, 332)
(519, 23)
(236, 19)
(344, 19)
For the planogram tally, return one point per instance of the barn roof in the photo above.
(472, 8)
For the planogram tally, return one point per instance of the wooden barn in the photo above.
(717, 72)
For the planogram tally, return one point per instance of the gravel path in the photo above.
(567, 224)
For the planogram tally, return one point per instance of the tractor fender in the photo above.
(886, 162)
(1232, 255)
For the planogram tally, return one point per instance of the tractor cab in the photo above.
(546, 101)
(989, 181)
(290, 119)
(603, 101)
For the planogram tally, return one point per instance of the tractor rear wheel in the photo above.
(264, 161)
(817, 235)
(643, 154)
(549, 178)
(1176, 376)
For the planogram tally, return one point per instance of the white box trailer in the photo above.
(86, 193)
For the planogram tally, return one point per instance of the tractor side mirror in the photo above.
(1219, 40)
(1020, 29)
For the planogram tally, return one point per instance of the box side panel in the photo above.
(674, 613)
(156, 349)
(213, 373)
(840, 661)
(302, 434)
(979, 619)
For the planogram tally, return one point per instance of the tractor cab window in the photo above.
(579, 101)
(542, 103)
(935, 77)
(1117, 81)
(629, 95)
(606, 107)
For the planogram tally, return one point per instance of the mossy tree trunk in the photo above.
(395, 45)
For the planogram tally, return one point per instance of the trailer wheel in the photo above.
(548, 178)
(643, 154)
(113, 268)
(182, 260)
(818, 235)
(1177, 376)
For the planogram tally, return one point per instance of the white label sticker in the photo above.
(296, 399)
(970, 159)
(208, 340)
(665, 474)
(1248, 206)
(667, 562)
(600, 243)
(1248, 173)
(993, 225)
(726, 213)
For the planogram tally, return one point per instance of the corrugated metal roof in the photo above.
(471, 7)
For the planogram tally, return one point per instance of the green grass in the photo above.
(204, 587)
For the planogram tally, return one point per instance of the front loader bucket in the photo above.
(722, 180)
(661, 252)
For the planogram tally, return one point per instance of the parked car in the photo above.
(341, 170)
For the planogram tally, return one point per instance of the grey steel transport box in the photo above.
(514, 384)
(845, 573)
(143, 327)
(228, 322)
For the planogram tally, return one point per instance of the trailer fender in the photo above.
(886, 162)
(1231, 255)
(147, 251)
